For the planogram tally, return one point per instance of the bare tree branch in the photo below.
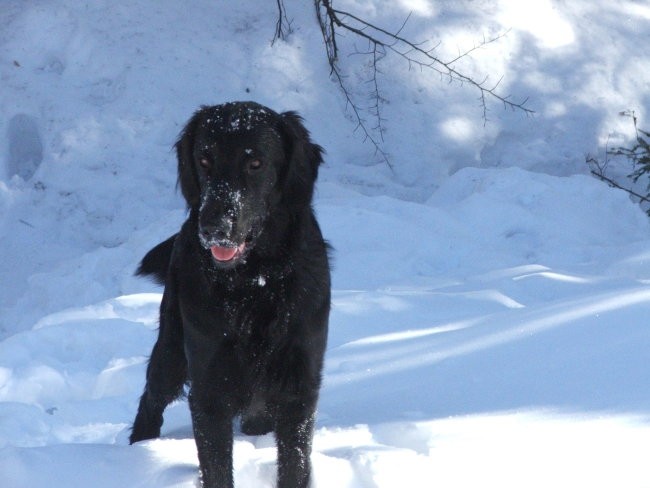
(361, 123)
(613, 183)
(283, 25)
(417, 55)
(599, 169)
(413, 52)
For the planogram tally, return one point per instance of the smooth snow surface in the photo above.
(491, 301)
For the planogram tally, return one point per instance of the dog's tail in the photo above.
(156, 262)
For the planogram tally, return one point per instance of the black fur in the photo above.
(156, 262)
(247, 291)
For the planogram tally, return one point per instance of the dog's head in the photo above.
(237, 164)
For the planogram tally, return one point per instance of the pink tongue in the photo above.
(223, 253)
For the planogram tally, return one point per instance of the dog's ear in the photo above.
(304, 158)
(188, 179)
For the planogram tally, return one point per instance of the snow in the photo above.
(490, 298)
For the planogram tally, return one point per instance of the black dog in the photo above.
(247, 291)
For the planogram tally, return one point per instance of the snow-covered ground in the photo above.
(491, 301)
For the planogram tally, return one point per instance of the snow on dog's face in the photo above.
(237, 163)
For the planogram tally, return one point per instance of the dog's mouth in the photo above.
(230, 251)
(227, 252)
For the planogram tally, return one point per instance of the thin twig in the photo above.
(283, 25)
(611, 182)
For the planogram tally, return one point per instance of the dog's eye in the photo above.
(205, 163)
(255, 164)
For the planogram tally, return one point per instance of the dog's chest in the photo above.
(256, 311)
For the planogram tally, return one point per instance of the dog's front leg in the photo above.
(166, 372)
(294, 432)
(212, 423)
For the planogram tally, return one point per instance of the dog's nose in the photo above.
(221, 230)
